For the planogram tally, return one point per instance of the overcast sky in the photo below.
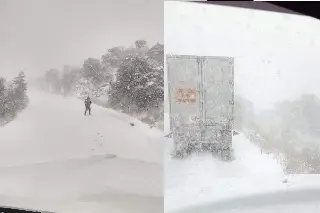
(276, 55)
(36, 35)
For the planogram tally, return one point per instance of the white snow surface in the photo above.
(53, 158)
(201, 177)
(202, 180)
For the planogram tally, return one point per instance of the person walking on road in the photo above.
(87, 103)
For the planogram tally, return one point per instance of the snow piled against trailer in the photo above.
(201, 172)
(248, 159)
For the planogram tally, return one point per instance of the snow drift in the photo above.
(54, 158)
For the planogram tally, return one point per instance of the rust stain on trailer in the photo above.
(185, 95)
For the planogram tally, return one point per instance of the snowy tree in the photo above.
(91, 68)
(140, 44)
(157, 53)
(20, 85)
(113, 57)
(138, 83)
(95, 71)
(19, 91)
(2, 96)
(135, 52)
(117, 55)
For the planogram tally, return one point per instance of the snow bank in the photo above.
(202, 178)
(253, 159)
(201, 168)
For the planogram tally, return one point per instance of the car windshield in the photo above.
(276, 100)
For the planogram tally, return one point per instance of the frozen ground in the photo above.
(52, 157)
(201, 177)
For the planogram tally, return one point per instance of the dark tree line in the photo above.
(13, 97)
(131, 78)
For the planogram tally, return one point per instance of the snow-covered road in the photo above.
(52, 157)
(201, 177)
(203, 180)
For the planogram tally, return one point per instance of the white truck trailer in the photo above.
(201, 104)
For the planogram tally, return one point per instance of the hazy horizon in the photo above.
(39, 35)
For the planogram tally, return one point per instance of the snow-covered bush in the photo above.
(13, 98)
